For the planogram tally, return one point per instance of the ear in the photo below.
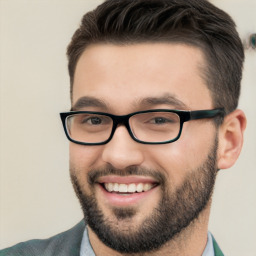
(231, 138)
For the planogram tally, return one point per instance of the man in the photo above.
(154, 91)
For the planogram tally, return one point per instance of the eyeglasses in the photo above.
(157, 126)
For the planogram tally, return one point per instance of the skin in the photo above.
(122, 78)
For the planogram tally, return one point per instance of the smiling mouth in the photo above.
(122, 188)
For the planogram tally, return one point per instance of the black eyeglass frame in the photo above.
(184, 116)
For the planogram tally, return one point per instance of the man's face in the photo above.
(177, 178)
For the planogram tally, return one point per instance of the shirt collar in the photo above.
(86, 248)
(209, 250)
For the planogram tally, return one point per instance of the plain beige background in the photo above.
(36, 197)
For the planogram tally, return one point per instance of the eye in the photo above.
(161, 120)
(93, 120)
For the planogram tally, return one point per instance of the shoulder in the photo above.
(66, 243)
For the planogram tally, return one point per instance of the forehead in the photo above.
(123, 76)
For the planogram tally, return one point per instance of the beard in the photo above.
(175, 211)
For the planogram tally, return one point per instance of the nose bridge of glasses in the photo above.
(121, 120)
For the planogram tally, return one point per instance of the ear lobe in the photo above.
(231, 138)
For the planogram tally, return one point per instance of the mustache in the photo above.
(95, 174)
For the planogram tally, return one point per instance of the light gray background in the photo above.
(36, 197)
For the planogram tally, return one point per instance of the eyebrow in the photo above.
(87, 101)
(166, 99)
(148, 102)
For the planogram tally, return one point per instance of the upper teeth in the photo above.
(131, 188)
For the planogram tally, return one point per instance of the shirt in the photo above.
(86, 248)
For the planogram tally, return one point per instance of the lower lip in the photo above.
(115, 199)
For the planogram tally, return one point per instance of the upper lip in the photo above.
(126, 179)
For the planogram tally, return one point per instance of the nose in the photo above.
(122, 151)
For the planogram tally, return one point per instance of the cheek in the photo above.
(83, 157)
(170, 159)
(182, 157)
(197, 141)
(82, 160)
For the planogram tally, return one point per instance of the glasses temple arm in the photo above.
(200, 114)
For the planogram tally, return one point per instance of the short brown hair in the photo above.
(194, 22)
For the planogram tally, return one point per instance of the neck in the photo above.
(191, 241)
